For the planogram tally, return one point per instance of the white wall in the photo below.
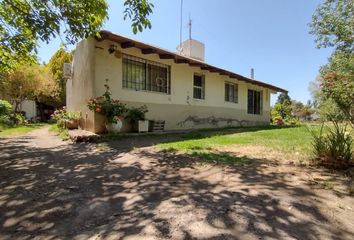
(80, 87)
(30, 108)
(110, 67)
(93, 65)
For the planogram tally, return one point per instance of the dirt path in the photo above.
(130, 190)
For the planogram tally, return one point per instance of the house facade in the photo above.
(181, 90)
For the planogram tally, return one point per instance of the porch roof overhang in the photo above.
(126, 42)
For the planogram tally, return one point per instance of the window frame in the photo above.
(227, 96)
(201, 88)
(146, 83)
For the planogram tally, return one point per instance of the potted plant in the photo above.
(137, 118)
(66, 119)
(113, 110)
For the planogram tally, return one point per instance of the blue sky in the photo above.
(269, 35)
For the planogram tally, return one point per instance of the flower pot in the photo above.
(114, 127)
(143, 125)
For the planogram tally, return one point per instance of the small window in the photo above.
(231, 92)
(254, 104)
(199, 86)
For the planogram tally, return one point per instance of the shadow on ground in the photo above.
(83, 190)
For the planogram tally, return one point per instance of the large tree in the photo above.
(24, 23)
(338, 82)
(333, 24)
(55, 68)
(29, 82)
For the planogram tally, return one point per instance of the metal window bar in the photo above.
(231, 92)
(199, 86)
(145, 75)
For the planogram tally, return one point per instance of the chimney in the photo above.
(252, 73)
(193, 49)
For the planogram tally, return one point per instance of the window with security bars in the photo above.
(231, 92)
(199, 86)
(254, 103)
(143, 75)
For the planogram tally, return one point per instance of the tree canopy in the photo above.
(333, 24)
(338, 82)
(25, 23)
(29, 82)
(55, 68)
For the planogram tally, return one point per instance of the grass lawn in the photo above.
(18, 130)
(289, 140)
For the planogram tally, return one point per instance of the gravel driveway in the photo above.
(128, 189)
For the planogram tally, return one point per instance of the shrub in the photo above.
(17, 118)
(106, 106)
(5, 120)
(5, 107)
(137, 113)
(8, 117)
(292, 121)
(63, 114)
(334, 149)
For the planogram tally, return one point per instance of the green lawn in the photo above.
(285, 139)
(18, 130)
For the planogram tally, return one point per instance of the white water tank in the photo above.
(193, 49)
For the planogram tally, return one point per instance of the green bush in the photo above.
(135, 114)
(5, 107)
(292, 121)
(8, 117)
(334, 149)
(66, 119)
(5, 120)
(17, 118)
(63, 114)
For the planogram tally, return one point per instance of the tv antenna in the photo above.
(190, 26)
(180, 26)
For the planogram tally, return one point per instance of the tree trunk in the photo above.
(41, 111)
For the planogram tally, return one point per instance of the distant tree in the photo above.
(23, 23)
(47, 91)
(55, 67)
(282, 108)
(338, 82)
(296, 108)
(306, 112)
(315, 91)
(332, 24)
(30, 82)
(284, 98)
(18, 85)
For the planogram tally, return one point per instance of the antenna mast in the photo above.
(180, 27)
(190, 27)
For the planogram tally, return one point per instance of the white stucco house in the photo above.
(178, 88)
